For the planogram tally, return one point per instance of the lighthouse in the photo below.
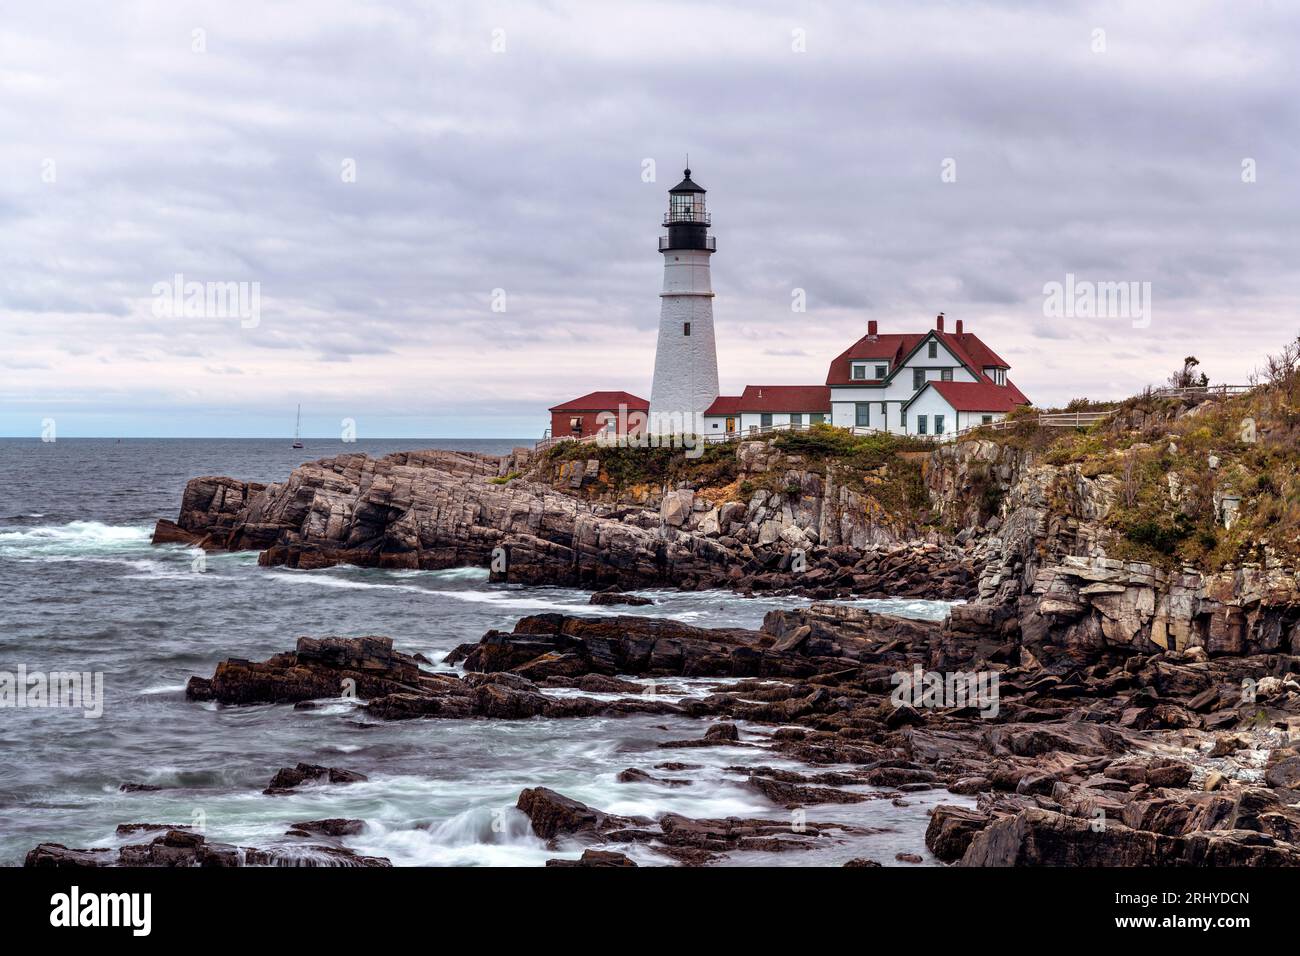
(686, 358)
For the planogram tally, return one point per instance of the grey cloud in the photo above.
(521, 171)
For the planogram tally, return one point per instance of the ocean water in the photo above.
(84, 590)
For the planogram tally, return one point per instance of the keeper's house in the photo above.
(930, 383)
(620, 413)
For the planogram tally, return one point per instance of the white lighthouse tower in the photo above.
(686, 359)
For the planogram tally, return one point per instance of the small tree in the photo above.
(1187, 376)
(1280, 370)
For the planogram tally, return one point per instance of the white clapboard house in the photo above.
(931, 383)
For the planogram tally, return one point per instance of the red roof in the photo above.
(785, 398)
(603, 402)
(968, 348)
(724, 405)
(973, 346)
(889, 348)
(978, 396)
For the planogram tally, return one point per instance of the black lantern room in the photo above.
(687, 218)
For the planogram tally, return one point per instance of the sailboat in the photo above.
(297, 442)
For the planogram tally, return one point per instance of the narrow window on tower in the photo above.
(686, 328)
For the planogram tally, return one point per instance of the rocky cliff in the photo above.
(1063, 535)
(778, 523)
(1156, 531)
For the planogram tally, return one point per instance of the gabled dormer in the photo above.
(869, 370)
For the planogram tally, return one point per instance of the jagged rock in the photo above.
(723, 731)
(184, 848)
(676, 507)
(633, 775)
(397, 688)
(52, 855)
(951, 830)
(1285, 773)
(319, 668)
(595, 858)
(553, 814)
(618, 597)
(790, 795)
(126, 829)
(286, 779)
(1043, 838)
(334, 826)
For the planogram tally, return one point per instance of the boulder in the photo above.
(1043, 838)
(595, 858)
(287, 779)
(951, 830)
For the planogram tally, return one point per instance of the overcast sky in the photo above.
(505, 147)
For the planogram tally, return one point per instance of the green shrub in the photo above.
(1159, 534)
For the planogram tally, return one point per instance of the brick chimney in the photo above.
(959, 331)
(871, 329)
(938, 323)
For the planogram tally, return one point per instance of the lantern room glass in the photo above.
(686, 207)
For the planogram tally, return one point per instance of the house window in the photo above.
(918, 379)
(921, 425)
(796, 418)
(859, 372)
(986, 419)
(765, 420)
(575, 425)
(817, 418)
(882, 371)
(938, 424)
(934, 350)
(862, 414)
(686, 328)
(946, 375)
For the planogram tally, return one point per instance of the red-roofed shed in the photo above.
(595, 411)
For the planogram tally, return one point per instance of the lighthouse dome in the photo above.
(687, 185)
